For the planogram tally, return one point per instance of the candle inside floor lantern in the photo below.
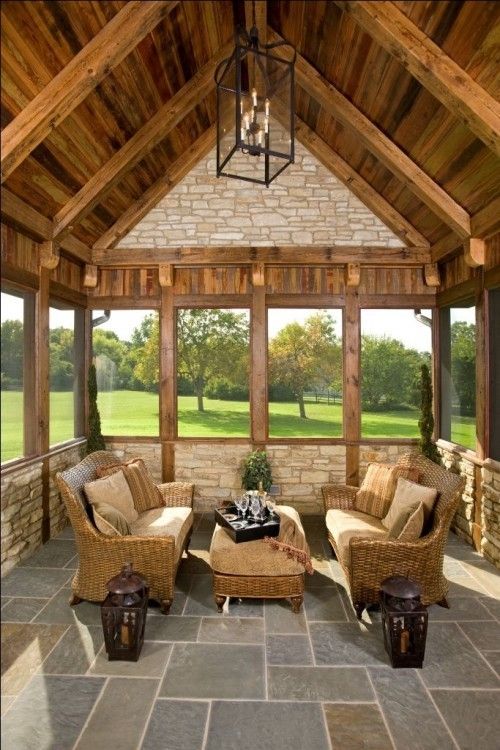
(404, 621)
(123, 614)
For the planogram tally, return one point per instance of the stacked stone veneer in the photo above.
(464, 517)
(305, 205)
(380, 454)
(22, 507)
(149, 452)
(490, 543)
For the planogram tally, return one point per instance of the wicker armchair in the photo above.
(100, 556)
(372, 560)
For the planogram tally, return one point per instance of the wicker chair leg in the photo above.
(74, 600)
(165, 606)
(296, 603)
(188, 542)
(220, 601)
(359, 607)
(444, 603)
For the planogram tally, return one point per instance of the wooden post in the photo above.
(258, 378)
(41, 410)
(30, 376)
(436, 380)
(168, 400)
(80, 373)
(351, 398)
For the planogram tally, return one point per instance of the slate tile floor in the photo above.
(256, 677)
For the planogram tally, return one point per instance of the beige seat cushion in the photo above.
(176, 522)
(378, 487)
(258, 558)
(344, 525)
(407, 494)
(113, 490)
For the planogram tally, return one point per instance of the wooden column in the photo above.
(41, 410)
(30, 376)
(258, 380)
(80, 372)
(88, 359)
(352, 404)
(482, 381)
(168, 401)
(435, 374)
(444, 374)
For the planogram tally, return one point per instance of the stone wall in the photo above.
(149, 452)
(380, 454)
(490, 543)
(305, 205)
(464, 517)
(21, 505)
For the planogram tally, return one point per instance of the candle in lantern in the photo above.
(266, 125)
(267, 105)
(246, 120)
(124, 632)
(404, 641)
(259, 138)
(243, 133)
(254, 97)
(241, 106)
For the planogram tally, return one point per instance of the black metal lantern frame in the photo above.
(252, 84)
(123, 615)
(404, 622)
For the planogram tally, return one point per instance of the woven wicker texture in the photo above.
(373, 560)
(101, 557)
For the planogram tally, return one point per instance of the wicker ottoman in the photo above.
(255, 569)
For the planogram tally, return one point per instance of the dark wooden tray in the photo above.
(251, 530)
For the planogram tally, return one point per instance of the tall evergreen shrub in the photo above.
(95, 440)
(426, 421)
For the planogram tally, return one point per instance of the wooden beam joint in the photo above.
(166, 275)
(49, 255)
(431, 274)
(90, 276)
(352, 274)
(258, 274)
(474, 252)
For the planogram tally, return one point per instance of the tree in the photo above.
(463, 365)
(61, 343)
(388, 371)
(300, 355)
(12, 353)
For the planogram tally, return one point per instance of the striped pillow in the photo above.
(145, 493)
(379, 485)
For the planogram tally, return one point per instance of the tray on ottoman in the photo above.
(246, 529)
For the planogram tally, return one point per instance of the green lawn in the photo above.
(136, 413)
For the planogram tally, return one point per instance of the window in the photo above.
(213, 373)
(494, 380)
(305, 372)
(66, 362)
(458, 374)
(394, 345)
(126, 355)
(12, 377)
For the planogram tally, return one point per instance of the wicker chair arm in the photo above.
(339, 496)
(177, 494)
(371, 555)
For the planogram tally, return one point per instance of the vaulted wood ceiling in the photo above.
(366, 111)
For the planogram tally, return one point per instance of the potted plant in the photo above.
(426, 421)
(256, 468)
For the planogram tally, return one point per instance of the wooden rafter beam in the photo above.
(409, 173)
(158, 190)
(359, 186)
(486, 221)
(440, 75)
(137, 147)
(443, 247)
(35, 225)
(144, 257)
(80, 76)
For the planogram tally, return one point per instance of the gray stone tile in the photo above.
(151, 662)
(206, 524)
(253, 725)
(201, 597)
(409, 711)
(246, 607)
(461, 609)
(451, 661)
(4, 601)
(318, 684)
(348, 643)
(493, 659)
(464, 585)
(22, 610)
(473, 717)
(279, 618)
(59, 611)
(320, 579)
(352, 726)
(484, 635)
(213, 670)
(492, 605)
(6, 702)
(24, 647)
(176, 607)
(324, 604)
(232, 630)
(75, 652)
(176, 725)
(66, 533)
(288, 649)
(50, 713)
(72, 564)
(172, 628)
(34, 582)
(486, 574)
(54, 554)
(120, 715)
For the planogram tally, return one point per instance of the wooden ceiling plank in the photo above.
(432, 67)
(32, 223)
(137, 147)
(143, 257)
(77, 79)
(486, 222)
(158, 190)
(409, 173)
(359, 186)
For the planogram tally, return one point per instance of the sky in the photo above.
(398, 324)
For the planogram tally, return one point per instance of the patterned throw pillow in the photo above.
(377, 490)
(145, 493)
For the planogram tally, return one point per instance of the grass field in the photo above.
(136, 413)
